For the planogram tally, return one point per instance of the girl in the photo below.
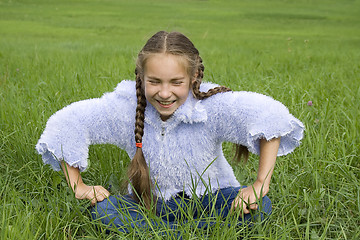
(176, 146)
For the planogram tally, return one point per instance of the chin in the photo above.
(165, 117)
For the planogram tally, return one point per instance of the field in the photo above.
(53, 53)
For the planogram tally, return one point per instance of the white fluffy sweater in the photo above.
(184, 152)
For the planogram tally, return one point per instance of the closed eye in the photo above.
(177, 82)
(153, 81)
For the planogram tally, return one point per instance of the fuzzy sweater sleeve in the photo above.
(70, 131)
(246, 117)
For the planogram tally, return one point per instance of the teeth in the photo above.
(165, 103)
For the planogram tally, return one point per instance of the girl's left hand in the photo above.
(247, 197)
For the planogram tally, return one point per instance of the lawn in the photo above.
(53, 53)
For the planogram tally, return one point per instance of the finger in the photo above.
(254, 206)
(101, 190)
(92, 195)
(106, 193)
(93, 201)
(245, 208)
(101, 196)
(234, 204)
(238, 205)
(101, 193)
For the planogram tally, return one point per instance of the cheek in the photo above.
(184, 94)
(148, 90)
(186, 91)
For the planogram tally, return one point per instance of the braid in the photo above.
(140, 110)
(138, 172)
(196, 84)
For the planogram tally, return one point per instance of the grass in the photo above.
(54, 53)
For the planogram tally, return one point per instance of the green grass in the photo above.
(53, 53)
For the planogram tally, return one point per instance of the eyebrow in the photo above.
(173, 79)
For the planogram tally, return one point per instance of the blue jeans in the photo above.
(123, 213)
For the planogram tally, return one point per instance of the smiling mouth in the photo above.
(166, 104)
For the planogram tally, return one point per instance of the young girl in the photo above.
(172, 126)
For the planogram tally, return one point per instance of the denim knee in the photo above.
(118, 212)
(266, 206)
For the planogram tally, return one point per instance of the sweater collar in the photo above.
(192, 111)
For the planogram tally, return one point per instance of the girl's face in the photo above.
(166, 82)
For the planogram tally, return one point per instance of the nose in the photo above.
(164, 92)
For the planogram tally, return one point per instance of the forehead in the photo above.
(163, 63)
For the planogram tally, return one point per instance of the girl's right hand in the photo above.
(93, 193)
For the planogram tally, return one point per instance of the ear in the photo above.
(194, 78)
(192, 82)
(196, 75)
